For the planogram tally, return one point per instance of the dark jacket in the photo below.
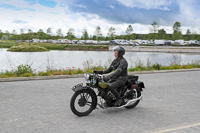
(120, 69)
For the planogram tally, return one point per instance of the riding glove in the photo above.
(106, 78)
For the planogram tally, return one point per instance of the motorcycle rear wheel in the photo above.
(138, 94)
(83, 102)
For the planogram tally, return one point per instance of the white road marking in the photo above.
(178, 128)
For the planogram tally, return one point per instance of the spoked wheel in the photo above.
(135, 95)
(83, 102)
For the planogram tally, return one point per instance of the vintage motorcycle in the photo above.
(95, 92)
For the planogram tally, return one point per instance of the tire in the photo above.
(82, 99)
(138, 92)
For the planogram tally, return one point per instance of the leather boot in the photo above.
(119, 100)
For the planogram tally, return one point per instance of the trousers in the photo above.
(114, 85)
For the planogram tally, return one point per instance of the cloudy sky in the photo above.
(80, 14)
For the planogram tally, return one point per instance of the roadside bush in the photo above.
(79, 71)
(42, 74)
(27, 75)
(137, 69)
(58, 73)
(22, 69)
(164, 67)
(9, 74)
(195, 63)
(156, 66)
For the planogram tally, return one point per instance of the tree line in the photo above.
(155, 33)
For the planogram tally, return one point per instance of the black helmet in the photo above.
(121, 50)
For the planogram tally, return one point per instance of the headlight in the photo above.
(87, 78)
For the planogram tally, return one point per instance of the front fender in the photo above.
(79, 88)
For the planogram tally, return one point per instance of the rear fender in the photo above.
(141, 85)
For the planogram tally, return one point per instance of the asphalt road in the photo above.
(170, 104)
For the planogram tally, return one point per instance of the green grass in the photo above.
(51, 46)
(26, 71)
(8, 44)
(27, 48)
(160, 67)
(86, 47)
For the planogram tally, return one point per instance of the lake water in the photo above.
(55, 59)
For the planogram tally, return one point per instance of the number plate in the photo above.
(78, 85)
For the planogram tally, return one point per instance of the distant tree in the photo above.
(98, 33)
(162, 34)
(59, 33)
(70, 34)
(154, 29)
(107, 38)
(1, 34)
(177, 31)
(188, 32)
(188, 35)
(132, 37)
(194, 34)
(14, 35)
(94, 37)
(129, 30)
(85, 34)
(22, 35)
(21, 31)
(14, 32)
(7, 35)
(150, 36)
(49, 34)
(40, 34)
(30, 35)
(111, 33)
(177, 26)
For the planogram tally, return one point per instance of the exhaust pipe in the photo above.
(134, 100)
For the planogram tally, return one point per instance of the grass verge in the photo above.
(26, 71)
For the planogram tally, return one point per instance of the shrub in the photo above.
(79, 71)
(156, 66)
(195, 63)
(137, 69)
(174, 66)
(58, 73)
(22, 69)
(9, 73)
(42, 74)
(27, 75)
(164, 67)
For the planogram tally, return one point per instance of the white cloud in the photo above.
(42, 18)
(189, 12)
(146, 4)
(112, 7)
(61, 17)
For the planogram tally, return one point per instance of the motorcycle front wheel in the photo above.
(83, 102)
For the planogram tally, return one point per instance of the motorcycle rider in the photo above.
(118, 78)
